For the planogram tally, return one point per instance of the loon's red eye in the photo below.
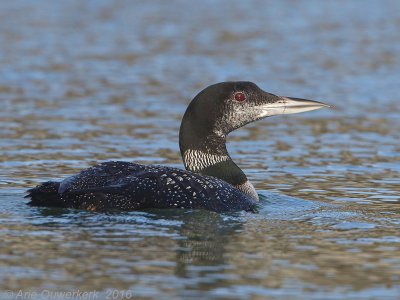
(240, 97)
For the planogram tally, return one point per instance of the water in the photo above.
(82, 82)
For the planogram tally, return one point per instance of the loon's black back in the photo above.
(129, 186)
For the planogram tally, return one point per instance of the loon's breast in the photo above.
(130, 186)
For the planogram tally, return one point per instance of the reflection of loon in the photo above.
(212, 180)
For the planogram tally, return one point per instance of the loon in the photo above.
(211, 181)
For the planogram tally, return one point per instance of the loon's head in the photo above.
(220, 109)
(226, 106)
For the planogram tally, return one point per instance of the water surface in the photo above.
(83, 82)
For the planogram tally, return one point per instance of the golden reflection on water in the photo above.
(98, 252)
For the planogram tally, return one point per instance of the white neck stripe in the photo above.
(195, 160)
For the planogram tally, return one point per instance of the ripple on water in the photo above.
(114, 84)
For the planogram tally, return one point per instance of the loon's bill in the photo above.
(211, 180)
(290, 105)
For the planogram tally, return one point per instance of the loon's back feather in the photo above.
(129, 186)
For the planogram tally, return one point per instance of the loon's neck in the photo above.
(209, 156)
(205, 153)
